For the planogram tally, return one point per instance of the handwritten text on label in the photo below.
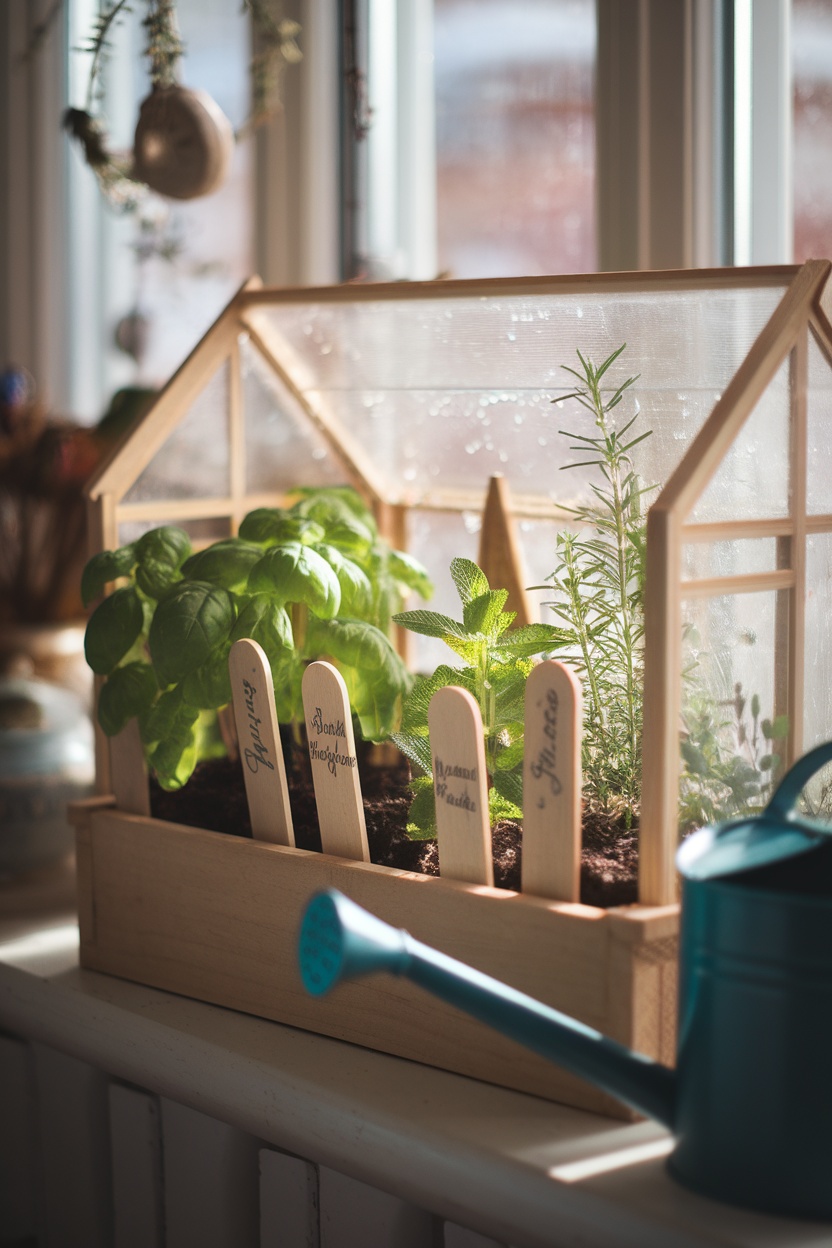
(448, 771)
(329, 728)
(545, 763)
(256, 755)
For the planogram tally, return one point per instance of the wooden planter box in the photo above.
(216, 917)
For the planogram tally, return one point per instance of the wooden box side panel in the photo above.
(216, 918)
(643, 962)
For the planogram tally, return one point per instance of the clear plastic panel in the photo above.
(435, 538)
(728, 693)
(703, 560)
(443, 390)
(817, 716)
(194, 461)
(201, 532)
(284, 449)
(752, 481)
(819, 476)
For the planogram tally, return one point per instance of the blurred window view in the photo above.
(206, 243)
(515, 136)
(514, 98)
(812, 138)
(172, 264)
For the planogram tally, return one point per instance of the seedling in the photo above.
(497, 659)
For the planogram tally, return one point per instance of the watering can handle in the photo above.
(784, 798)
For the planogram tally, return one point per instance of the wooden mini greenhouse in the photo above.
(418, 395)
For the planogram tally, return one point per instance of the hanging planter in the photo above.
(183, 141)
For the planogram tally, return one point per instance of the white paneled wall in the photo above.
(288, 1201)
(89, 1162)
(18, 1182)
(74, 1198)
(354, 1215)
(136, 1151)
(211, 1181)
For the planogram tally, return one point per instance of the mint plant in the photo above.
(496, 661)
(599, 579)
(305, 582)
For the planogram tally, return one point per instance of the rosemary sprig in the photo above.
(599, 579)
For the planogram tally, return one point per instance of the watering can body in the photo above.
(750, 1100)
(753, 1096)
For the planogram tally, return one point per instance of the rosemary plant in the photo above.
(599, 583)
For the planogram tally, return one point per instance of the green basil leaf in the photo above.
(296, 573)
(107, 566)
(356, 590)
(272, 526)
(287, 677)
(190, 622)
(128, 692)
(175, 758)
(408, 571)
(113, 628)
(347, 519)
(167, 544)
(160, 554)
(268, 624)
(226, 563)
(209, 686)
(373, 672)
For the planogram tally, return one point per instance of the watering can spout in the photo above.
(339, 940)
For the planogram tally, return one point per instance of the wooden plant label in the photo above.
(334, 765)
(258, 740)
(128, 771)
(552, 783)
(460, 782)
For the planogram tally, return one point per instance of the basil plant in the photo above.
(310, 581)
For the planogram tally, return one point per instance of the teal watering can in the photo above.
(750, 1100)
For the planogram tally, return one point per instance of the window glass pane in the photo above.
(194, 461)
(812, 70)
(515, 136)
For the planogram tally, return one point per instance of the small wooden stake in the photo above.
(334, 766)
(499, 551)
(552, 783)
(460, 781)
(258, 737)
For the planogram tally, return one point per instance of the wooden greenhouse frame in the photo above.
(786, 336)
(163, 904)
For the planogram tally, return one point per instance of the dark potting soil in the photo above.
(214, 798)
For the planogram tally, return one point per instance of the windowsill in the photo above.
(515, 1167)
